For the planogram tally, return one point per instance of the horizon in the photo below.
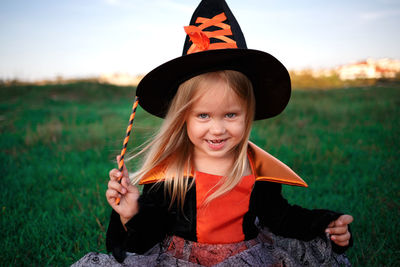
(70, 39)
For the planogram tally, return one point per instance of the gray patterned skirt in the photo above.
(266, 250)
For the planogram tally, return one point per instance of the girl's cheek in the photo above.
(198, 126)
(239, 126)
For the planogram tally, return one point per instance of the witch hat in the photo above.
(215, 42)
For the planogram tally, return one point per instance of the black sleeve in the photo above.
(144, 230)
(291, 221)
(115, 237)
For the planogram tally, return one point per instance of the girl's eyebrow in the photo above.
(233, 108)
(199, 110)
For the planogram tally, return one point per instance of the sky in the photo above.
(43, 39)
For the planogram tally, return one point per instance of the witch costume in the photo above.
(262, 229)
(251, 225)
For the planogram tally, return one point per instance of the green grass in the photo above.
(59, 142)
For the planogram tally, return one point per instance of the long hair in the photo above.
(171, 145)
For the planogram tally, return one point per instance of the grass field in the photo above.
(59, 142)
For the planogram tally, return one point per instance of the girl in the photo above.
(208, 191)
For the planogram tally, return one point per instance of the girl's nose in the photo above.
(217, 128)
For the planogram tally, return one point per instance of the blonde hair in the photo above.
(171, 145)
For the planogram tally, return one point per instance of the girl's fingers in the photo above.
(342, 238)
(114, 175)
(117, 187)
(130, 188)
(111, 197)
(338, 230)
(112, 194)
(331, 224)
(340, 225)
(344, 220)
(125, 182)
(344, 243)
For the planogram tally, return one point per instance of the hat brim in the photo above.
(270, 79)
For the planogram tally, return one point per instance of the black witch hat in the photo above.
(215, 42)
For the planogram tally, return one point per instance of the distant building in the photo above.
(369, 69)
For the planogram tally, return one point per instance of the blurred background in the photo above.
(45, 39)
(68, 73)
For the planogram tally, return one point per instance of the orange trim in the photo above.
(264, 166)
(201, 39)
(219, 33)
(223, 25)
(153, 179)
(206, 22)
(158, 174)
(281, 181)
(222, 46)
(269, 168)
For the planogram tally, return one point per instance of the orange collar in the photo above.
(264, 166)
(268, 168)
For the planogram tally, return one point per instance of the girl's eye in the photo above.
(203, 116)
(230, 115)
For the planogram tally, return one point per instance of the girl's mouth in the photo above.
(216, 144)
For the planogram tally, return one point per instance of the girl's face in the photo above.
(216, 122)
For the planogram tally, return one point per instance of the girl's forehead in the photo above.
(216, 93)
(214, 87)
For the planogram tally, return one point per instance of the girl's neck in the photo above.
(221, 166)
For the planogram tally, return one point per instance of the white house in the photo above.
(369, 69)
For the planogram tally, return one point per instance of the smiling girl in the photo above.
(208, 192)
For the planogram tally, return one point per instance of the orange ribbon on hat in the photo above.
(201, 39)
(198, 37)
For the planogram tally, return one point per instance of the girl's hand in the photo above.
(125, 191)
(339, 230)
